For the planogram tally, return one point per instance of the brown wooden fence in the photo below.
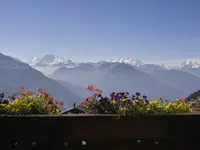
(103, 132)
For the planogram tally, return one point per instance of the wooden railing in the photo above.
(92, 132)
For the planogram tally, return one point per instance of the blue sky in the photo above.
(148, 30)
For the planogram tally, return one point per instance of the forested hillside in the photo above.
(194, 95)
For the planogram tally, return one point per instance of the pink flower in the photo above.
(61, 103)
(40, 90)
(50, 98)
(90, 87)
(97, 90)
(21, 87)
(56, 102)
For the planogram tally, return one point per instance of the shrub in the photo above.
(27, 103)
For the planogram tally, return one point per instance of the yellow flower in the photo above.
(191, 110)
(177, 100)
(124, 99)
(140, 109)
(135, 101)
(125, 108)
(121, 108)
(57, 110)
(154, 102)
(113, 102)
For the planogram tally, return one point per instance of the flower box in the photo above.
(100, 132)
(120, 122)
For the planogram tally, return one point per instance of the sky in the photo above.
(89, 30)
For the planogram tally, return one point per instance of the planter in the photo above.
(100, 132)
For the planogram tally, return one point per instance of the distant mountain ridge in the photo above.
(124, 77)
(15, 73)
(50, 60)
(191, 63)
(128, 61)
(54, 62)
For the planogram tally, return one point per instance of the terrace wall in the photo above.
(103, 132)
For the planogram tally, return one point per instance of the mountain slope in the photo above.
(15, 73)
(183, 81)
(117, 77)
(150, 68)
(194, 71)
(81, 75)
(80, 91)
(194, 95)
(123, 77)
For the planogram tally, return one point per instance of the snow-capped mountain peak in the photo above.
(49, 60)
(191, 63)
(129, 61)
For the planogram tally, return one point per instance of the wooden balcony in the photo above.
(100, 132)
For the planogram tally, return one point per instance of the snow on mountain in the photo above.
(191, 63)
(54, 60)
(50, 60)
(49, 63)
(129, 61)
(151, 67)
(33, 61)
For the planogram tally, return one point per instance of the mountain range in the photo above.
(67, 79)
(169, 84)
(126, 74)
(49, 63)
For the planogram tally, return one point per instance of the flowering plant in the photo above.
(195, 105)
(131, 105)
(27, 102)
